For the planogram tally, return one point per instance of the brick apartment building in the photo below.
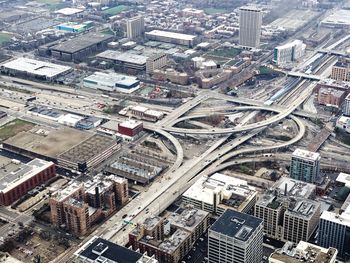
(81, 204)
(169, 239)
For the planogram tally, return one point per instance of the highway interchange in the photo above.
(183, 173)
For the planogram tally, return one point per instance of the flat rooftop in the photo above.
(99, 250)
(81, 42)
(36, 67)
(294, 19)
(204, 188)
(341, 219)
(110, 125)
(293, 188)
(13, 173)
(334, 92)
(47, 141)
(112, 79)
(304, 208)
(305, 154)
(338, 17)
(344, 178)
(174, 241)
(236, 225)
(304, 252)
(250, 8)
(68, 11)
(131, 124)
(189, 219)
(88, 149)
(126, 57)
(168, 34)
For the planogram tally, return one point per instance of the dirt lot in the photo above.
(12, 128)
(34, 245)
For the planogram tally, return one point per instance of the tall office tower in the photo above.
(334, 230)
(305, 165)
(235, 238)
(250, 20)
(300, 220)
(346, 107)
(286, 205)
(135, 27)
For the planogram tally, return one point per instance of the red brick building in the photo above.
(130, 128)
(78, 206)
(17, 179)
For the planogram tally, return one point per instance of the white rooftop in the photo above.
(110, 79)
(205, 187)
(171, 35)
(68, 11)
(36, 67)
(304, 154)
(344, 178)
(131, 124)
(125, 57)
(69, 118)
(290, 44)
(343, 219)
(139, 108)
(340, 17)
(23, 173)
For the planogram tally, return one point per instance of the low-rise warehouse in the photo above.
(67, 147)
(34, 68)
(17, 179)
(112, 82)
(124, 59)
(79, 47)
(171, 37)
(89, 153)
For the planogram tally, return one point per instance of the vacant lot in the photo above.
(115, 10)
(4, 37)
(13, 127)
(214, 11)
(225, 52)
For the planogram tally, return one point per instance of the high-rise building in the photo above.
(250, 20)
(156, 61)
(289, 52)
(303, 252)
(81, 204)
(334, 230)
(217, 193)
(135, 27)
(305, 165)
(282, 207)
(346, 108)
(341, 71)
(235, 238)
(300, 220)
(170, 239)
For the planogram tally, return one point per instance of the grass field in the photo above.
(115, 10)
(13, 127)
(107, 31)
(226, 52)
(266, 71)
(214, 11)
(4, 37)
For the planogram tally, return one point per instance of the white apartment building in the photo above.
(250, 20)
